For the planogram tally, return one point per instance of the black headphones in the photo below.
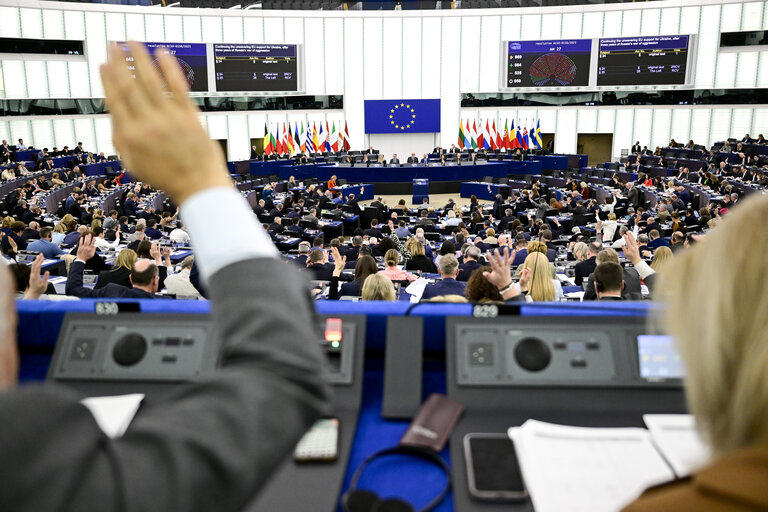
(360, 500)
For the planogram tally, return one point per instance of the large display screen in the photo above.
(548, 63)
(256, 67)
(657, 60)
(658, 357)
(192, 58)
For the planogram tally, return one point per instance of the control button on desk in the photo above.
(169, 358)
(593, 345)
(578, 363)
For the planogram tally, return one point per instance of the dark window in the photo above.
(753, 38)
(41, 46)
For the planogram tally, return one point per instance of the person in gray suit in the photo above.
(212, 443)
(633, 195)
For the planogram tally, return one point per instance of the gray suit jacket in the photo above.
(210, 445)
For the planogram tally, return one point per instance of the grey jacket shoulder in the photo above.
(209, 445)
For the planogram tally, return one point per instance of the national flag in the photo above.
(474, 135)
(288, 138)
(347, 145)
(526, 142)
(480, 136)
(513, 144)
(308, 139)
(499, 142)
(302, 140)
(296, 137)
(321, 139)
(486, 136)
(315, 140)
(467, 135)
(267, 141)
(461, 135)
(334, 138)
(537, 135)
(505, 141)
(519, 137)
(278, 143)
(327, 137)
(492, 135)
(273, 143)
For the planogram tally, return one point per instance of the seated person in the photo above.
(318, 265)
(378, 287)
(45, 245)
(447, 284)
(471, 263)
(541, 286)
(364, 267)
(178, 284)
(120, 272)
(391, 259)
(608, 281)
(374, 231)
(418, 259)
(631, 278)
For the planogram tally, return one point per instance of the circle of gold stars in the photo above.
(406, 125)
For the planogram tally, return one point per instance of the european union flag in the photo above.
(402, 116)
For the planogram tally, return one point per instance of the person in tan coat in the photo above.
(722, 341)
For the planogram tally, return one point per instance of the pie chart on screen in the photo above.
(186, 69)
(552, 69)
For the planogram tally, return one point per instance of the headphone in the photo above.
(360, 500)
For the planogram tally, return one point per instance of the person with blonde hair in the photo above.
(542, 287)
(418, 259)
(722, 344)
(391, 259)
(662, 257)
(378, 287)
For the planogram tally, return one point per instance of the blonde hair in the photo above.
(63, 224)
(536, 246)
(541, 286)
(125, 259)
(378, 287)
(95, 223)
(662, 257)
(392, 258)
(415, 247)
(580, 248)
(722, 339)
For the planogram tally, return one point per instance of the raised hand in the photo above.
(37, 284)
(86, 248)
(339, 261)
(501, 271)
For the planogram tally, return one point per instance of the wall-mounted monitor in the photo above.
(553, 63)
(656, 60)
(256, 67)
(192, 58)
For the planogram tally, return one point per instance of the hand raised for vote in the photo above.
(37, 284)
(86, 248)
(339, 261)
(159, 136)
(501, 271)
(631, 249)
(155, 253)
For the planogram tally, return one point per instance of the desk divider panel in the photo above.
(403, 367)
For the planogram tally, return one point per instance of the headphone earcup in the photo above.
(392, 505)
(359, 501)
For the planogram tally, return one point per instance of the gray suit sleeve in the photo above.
(211, 444)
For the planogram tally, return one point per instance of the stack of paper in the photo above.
(677, 439)
(586, 469)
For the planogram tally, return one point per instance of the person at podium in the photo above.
(413, 159)
(394, 160)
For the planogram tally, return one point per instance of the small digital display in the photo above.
(256, 67)
(658, 357)
(656, 60)
(577, 346)
(558, 63)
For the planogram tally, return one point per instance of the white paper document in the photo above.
(578, 469)
(416, 289)
(677, 439)
(113, 414)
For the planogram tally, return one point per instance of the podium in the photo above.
(420, 191)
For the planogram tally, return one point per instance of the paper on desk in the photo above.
(677, 439)
(565, 280)
(575, 295)
(416, 288)
(113, 414)
(586, 469)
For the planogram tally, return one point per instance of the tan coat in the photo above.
(735, 483)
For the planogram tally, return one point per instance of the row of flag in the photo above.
(473, 135)
(311, 139)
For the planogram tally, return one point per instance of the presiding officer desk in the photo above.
(602, 388)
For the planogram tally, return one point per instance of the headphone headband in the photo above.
(415, 451)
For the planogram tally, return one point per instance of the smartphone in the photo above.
(320, 443)
(493, 472)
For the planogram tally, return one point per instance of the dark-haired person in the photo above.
(609, 281)
(45, 244)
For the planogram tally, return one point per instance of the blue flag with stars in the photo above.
(402, 116)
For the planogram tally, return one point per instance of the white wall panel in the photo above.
(15, 82)
(20, 129)
(314, 57)
(587, 121)
(760, 122)
(134, 27)
(53, 24)
(490, 48)
(115, 22)
(294, 33)
(641, 125)
(746, 68)
(731, 18)
(253, 29)
(551, 26)
(689, 20)
(256, 125)
(353, 80)
(510, 28)
(154, 27)
(372, 58)
(725, 76)
(5, 132)
(612, 24)
(238, 146)
(85, 133)
(64, 134)
(79, 83)
(720, 125)
(751, 16)
(631, 23)
(762, 70)
(622, 131)
(42, 133)
(31, 23)
(193, 29)
(592, 25)
(670, 21)
(566, 139)
(741, 122)
(708, 45)
(700, 118)
(681, 125)
(217, 126)
(430, 57)
(651, 22)
(412, 54)
(174, 28)
(662, 123)
(605, 120)
(97, 49)
(274, 31)
(392, 58)
(530, 26)
(37, 79)
(334, 67)
(233, 29)
(571, 25)
(449, 87)
(470, 53)
(212, 29)
(58, 79)
(103, 126)
(10, 26)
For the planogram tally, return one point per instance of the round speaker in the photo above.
(129, 350)
(532, 354)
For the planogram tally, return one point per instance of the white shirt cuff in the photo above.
(223, 230)
(644, 269)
